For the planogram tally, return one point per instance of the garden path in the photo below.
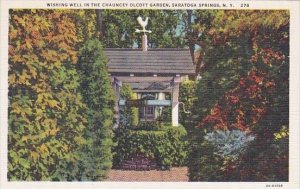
(175, 174)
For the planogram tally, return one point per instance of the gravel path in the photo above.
(175, 174)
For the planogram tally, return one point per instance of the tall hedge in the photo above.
(98, 95)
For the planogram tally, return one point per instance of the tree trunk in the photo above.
(99, 22)
(190, 33)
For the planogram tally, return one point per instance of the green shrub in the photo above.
(167, 145)
(273, 167)
(203, 164)
(166, 114)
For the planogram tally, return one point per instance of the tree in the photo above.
(119, 28)
(98, 95)
(44, 115)
(245, 83)
(99, 22)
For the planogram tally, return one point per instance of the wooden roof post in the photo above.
(175, 101)
(144, 42)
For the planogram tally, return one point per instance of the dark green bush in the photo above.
(166, 114)
(167, 145)
(152, 126)
(148, 126)
(204, 165)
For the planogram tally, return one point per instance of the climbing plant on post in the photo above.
(129, 115)
(98, 95)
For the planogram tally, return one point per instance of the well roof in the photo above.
(154, 61)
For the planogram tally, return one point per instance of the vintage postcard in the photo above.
(149, 94)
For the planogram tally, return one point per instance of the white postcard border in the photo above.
(293, 183)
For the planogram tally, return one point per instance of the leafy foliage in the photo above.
(203, 164)
(44, 114)
(244, 84)
(264, 162)
(149, 126)
(187, 97)
(167, 146)
(54, 132)
(98, 95)
(119, 28)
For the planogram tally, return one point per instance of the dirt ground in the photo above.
(175, 174)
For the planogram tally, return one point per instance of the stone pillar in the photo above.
(117, 87)
(175, 101)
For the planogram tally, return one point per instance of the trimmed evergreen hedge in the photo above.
(98, 95)
(167, 146)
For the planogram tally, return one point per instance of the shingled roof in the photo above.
(154, 61)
